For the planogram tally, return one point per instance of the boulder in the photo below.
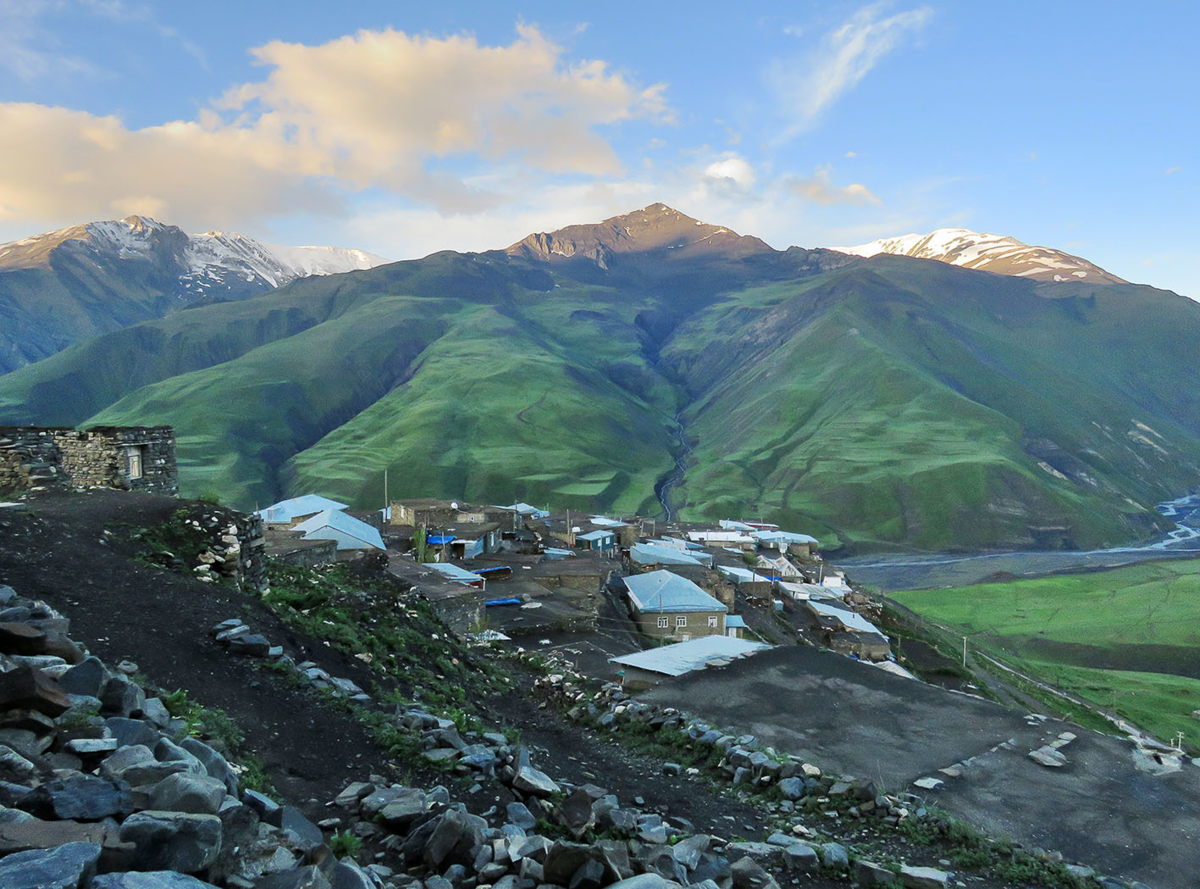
(78, 798)
(214, 763)
(185, 792)
(309, 877)
(85, 678)
(575, 813)
(176, 841)
(644, 881)
(70, 866)
(132, 731)
(156, 711)
(1049, 757)
(532, 781)
(923, 877)
(456, 840)
(519, 814)
(28, 689)
(268, 810)
(155, 879)
(348, 875)
(749, 874)
(868, 873)
(792, 788)
(293, 819)
(801, 857)
(250, 645)
(405, 809)
(834, 856)
(121, 697)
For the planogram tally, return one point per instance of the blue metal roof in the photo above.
(595, 535)
(453, 572)
(683, 657)
(734, 621)
(653, 554)
(664, 591)
(286, 510)
(348, 531)
(782, 537)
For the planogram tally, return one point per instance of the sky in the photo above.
(403, 128)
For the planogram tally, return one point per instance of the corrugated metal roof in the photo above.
(734, 621)
(850, 620)
(348, 525)
(684, 657)
(595, 535)
(453, 572)
(782, 536)
(664, 591)
(652, 554)
(605, 522)
(286, 510)
(741, 575)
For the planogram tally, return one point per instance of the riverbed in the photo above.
(932, 570)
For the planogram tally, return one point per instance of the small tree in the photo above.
(419, 545)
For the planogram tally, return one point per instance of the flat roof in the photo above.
(850, 619)
(684, 657)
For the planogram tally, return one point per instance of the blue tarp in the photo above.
(440, 539)
(490, 570)
(510, 601)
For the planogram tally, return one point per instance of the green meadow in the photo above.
(1127, 639)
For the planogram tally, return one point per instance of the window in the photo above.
(133, 462)
(712, 621)
(681, 621)
(662, 623)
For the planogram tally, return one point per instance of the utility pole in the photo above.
(964, 652)
(387, 515)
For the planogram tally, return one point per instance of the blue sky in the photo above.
(403, 128)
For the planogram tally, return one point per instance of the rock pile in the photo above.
(97, 780)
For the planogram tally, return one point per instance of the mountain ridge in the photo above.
(72, 283)
(988, 252)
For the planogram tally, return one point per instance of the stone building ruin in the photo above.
(129, 458)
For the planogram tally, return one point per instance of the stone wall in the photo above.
(32, 457)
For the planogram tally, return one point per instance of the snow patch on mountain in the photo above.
(989, 252)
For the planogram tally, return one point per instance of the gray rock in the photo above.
(268, 810)
(792, 788)
(353, 793)
(78, 798)
(156, 711)
(96, 748)
(687, 852)
(309, 877)
(132, 731)
(70, 866)
(519, 814)
(834, 856)
(532, 781)
(923, 877)
(644, 881)
(214, 763)
(200, 795)
(121, 697)
(176, 841)
(250, 645)
(456, 840)
(868, 873)
(754, 850)
(157, 879)
(800, 856)
(85, 678)
(749, 874)
(348, 875)
(534, 847)
(294, 820)
(405, 809)
(1049, 757)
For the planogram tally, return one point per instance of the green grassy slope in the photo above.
(879, 414)
(1127, 638)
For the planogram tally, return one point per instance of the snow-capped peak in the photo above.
(993, 253)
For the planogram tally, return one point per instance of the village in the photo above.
(629, 598)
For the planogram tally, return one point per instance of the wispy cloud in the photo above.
(29, 50)
(820, 189)
(809, 84)
(1171, 171)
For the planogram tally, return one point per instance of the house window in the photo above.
(662, 623)
(133, 462)
(712, 621)
(681, 621)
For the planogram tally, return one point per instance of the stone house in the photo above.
(130, 458)
(667, 606)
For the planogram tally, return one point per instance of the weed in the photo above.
(344, 844)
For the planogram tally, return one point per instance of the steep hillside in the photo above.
(68, 285)
(880, 402)
(990, 253)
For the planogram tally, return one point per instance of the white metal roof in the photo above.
(663, 591)
(684, 657)
(651, 554)
(308, 504)
(850, 619)
(348, 531)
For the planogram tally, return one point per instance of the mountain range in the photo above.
(876, 402)
(67, 285)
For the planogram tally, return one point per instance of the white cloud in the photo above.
(375, 110)
(733, 167)
(807, 85)
(820, 189)
(1171, 171)
(29, 50)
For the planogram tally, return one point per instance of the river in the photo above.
(932, 570)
